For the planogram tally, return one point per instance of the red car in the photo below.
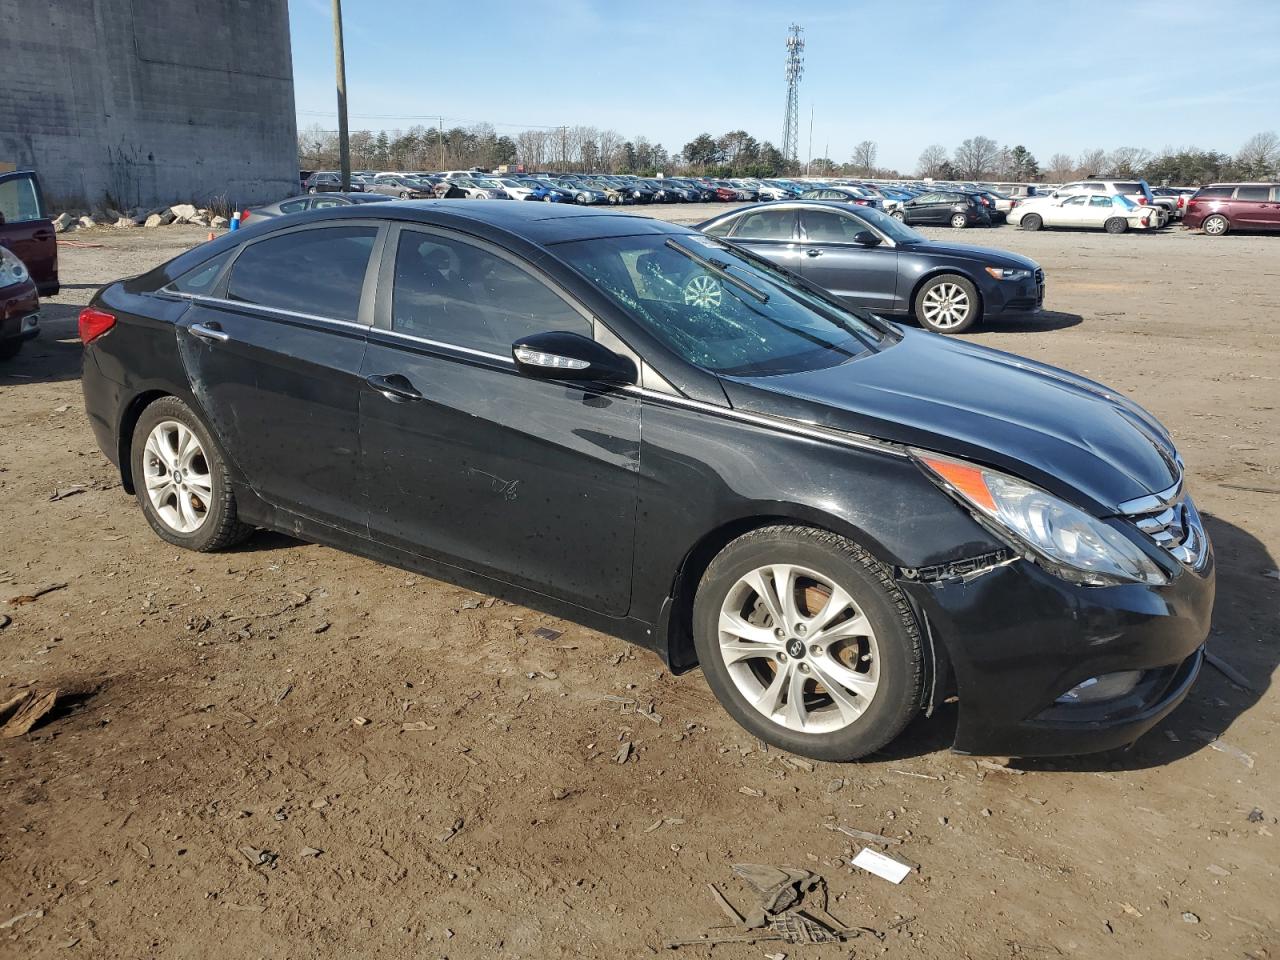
(1221, 207)
(28, 259)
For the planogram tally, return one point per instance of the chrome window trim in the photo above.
(441, 345)
(262, 308)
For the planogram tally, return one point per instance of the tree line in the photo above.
(737, 153)
(981, 158)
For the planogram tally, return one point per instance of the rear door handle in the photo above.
(394, 386)
(210, 332)
(813, 253)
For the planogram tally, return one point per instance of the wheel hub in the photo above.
(795, 648)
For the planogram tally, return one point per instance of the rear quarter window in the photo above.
(1214, 193)
(1253, 193)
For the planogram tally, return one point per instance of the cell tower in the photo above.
(795, 68)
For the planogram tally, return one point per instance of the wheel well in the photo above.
(943, 272)
(124, 435)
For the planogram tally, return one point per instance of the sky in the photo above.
(1066, 77)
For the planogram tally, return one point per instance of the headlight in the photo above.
(1063, 539)
(1009, 273)
(12, 270)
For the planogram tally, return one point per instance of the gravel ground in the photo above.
(206, 744)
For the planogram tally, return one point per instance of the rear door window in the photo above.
(318, 271)
(1253, 193)
(767, 225)
(827, 226)
(1215, 193)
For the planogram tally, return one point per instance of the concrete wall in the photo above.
(149, 102)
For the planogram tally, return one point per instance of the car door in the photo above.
(25, 228)
(274, 354)
(1098, 211)
(533, 482)
(1249, 206)
(864, 276)
(1073, 212)
(1271, 211)
(931, 208)
(770, 232)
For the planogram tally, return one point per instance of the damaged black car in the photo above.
(650, 431)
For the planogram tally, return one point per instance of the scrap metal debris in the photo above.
(861, 834)
(27, 710)
(791, 908)
(1223, 747)
(35, 594)
(1230, 672)
(66, 492)
(546, 633)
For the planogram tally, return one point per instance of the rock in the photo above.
(62, 222)
(88, 221)
(183, 212)
(154, 220)
(219, 222)
(199, 221)
(1190, 917)
(166, 217)
(125, 222)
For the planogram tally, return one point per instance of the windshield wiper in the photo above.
(720, 269)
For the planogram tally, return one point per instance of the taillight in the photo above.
(94, 323)
(1146, 221)
(1192, 202)
(1181, 200)
(1142, 201)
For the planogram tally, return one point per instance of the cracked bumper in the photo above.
(1019, 638)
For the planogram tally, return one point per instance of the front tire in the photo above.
(1032, 221)
(1215, 225)
(1116, 225)
(948, 304)
(9, 348)
(899, 216)
(807, 642)
(181, 480)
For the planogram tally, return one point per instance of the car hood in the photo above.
(1068, 434)
(987, 255)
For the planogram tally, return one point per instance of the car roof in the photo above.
(540, 223)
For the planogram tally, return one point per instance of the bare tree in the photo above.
(932, 159)
(976, 157)
(1091, 162)
(1061, 167)
(1259, 158)
(1128, 161)
(864, 158)
(532, 147)
(610, 142)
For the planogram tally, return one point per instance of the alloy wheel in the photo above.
(1215, 226)
(947, 305)
(177, 478)
(799, 648)
(703, 292)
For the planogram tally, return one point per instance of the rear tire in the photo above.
(185, 495)
(1032, 221)
(959, 221)
(9, 348)
(899, 216)
(854, 677)
(1215, 225)
(1116, 225)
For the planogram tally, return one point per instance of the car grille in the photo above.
(1174, 523)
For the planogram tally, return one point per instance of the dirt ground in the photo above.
(284, 751)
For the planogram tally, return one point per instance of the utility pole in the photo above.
(340, 66)
(564, 149)
(809, 165)
(440, 121)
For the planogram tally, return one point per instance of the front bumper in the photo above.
(1002, 298)
(1018, 638)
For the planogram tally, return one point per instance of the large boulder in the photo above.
(62, 222)
(125, 222)
(183, 212)
(154, 220)
(218, 223)
(88, 221)
(166, 216)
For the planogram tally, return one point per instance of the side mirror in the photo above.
(560, 355)
(865, 238)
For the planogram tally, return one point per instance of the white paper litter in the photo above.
(885, 867)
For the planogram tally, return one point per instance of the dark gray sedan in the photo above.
(871, 260)
(313, 202)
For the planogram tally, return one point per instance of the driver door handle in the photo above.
(209, 332)
(393, 386)
(811, 252)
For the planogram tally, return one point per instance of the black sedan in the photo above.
(282, 208)
(869, 259)
(658, 434)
